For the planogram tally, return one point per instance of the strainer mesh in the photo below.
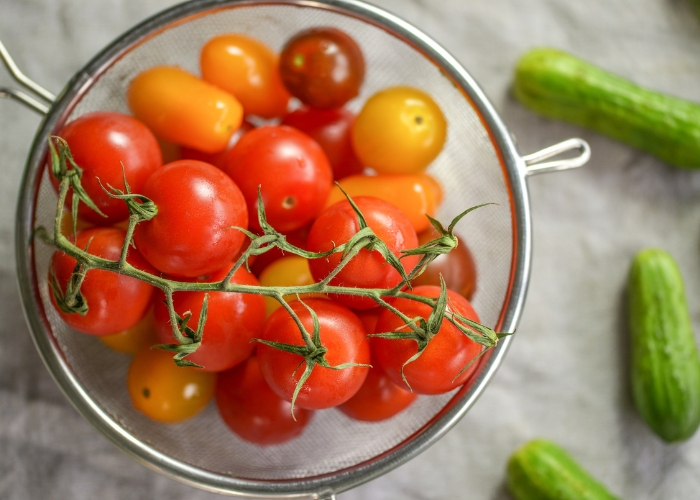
(468, 169)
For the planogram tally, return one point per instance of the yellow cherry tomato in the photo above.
(287, 271)
(132, 340)
(182, 108)
(414, 194)
(164, 391)
(400, 130)
(248, 69)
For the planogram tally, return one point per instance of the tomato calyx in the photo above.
(422, 330)
(61, 158)
(188, 339)
(443, 244)
(313, 352)
(72, 301)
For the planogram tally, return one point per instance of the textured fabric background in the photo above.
(565, 377)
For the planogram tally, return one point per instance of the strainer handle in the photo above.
(22, 79)
(533, 165)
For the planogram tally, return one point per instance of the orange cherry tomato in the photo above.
(179, 107)
(248, 69)
(400, 130)
(457, 267)
(414, 194)
(164, 391)
(287, 271)
(140, 336)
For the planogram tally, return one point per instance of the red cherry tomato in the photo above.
(253, 411)
(291, 168)
(164, 391)
(323, 67)
(378, 399)
(446, 354)
(457, 267)
(248, 69)
(233, 320)
(368, 269)
(115, 302)
(198, 207)
(101, 143)
(341, 333)
(331, 129)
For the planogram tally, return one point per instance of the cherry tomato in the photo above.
(341, 333)
(130, 341)
(446, 354)
(413, 194)
(457, 267)
(115, 302)
(399, 130)
(322, 67)
(181, 108)
(164, 391)
(198, 207)
(369, 318)
(101, 143)
(253, 411)
(331, 129)
(378, 399)
(287, 271)
(368, 269)
(291, 168)
(248, 69)
(233, 320)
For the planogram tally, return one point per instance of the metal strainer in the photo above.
(479, 164)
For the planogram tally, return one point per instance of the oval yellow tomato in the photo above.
(414, 194)
(179, 107)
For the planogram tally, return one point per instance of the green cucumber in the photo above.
(665, 361)
(559, 85)
(542, 470)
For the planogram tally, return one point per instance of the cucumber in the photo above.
(542, 470)
(559, 85)
(665, 365)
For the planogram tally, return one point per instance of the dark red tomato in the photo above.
(368, 269)
(291, 168)
(115, 302)
(198, 207)
(341, 333)
(457, 267)
(331, 129)
(101, 143)
(369, 318)
(378, 399)
(233, 320)
(253, 411)
(322, 67)
(446, 354)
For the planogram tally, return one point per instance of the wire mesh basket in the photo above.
(479, 164)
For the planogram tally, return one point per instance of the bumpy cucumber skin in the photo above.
(665, 366)
(542, 470)
(559, 85)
